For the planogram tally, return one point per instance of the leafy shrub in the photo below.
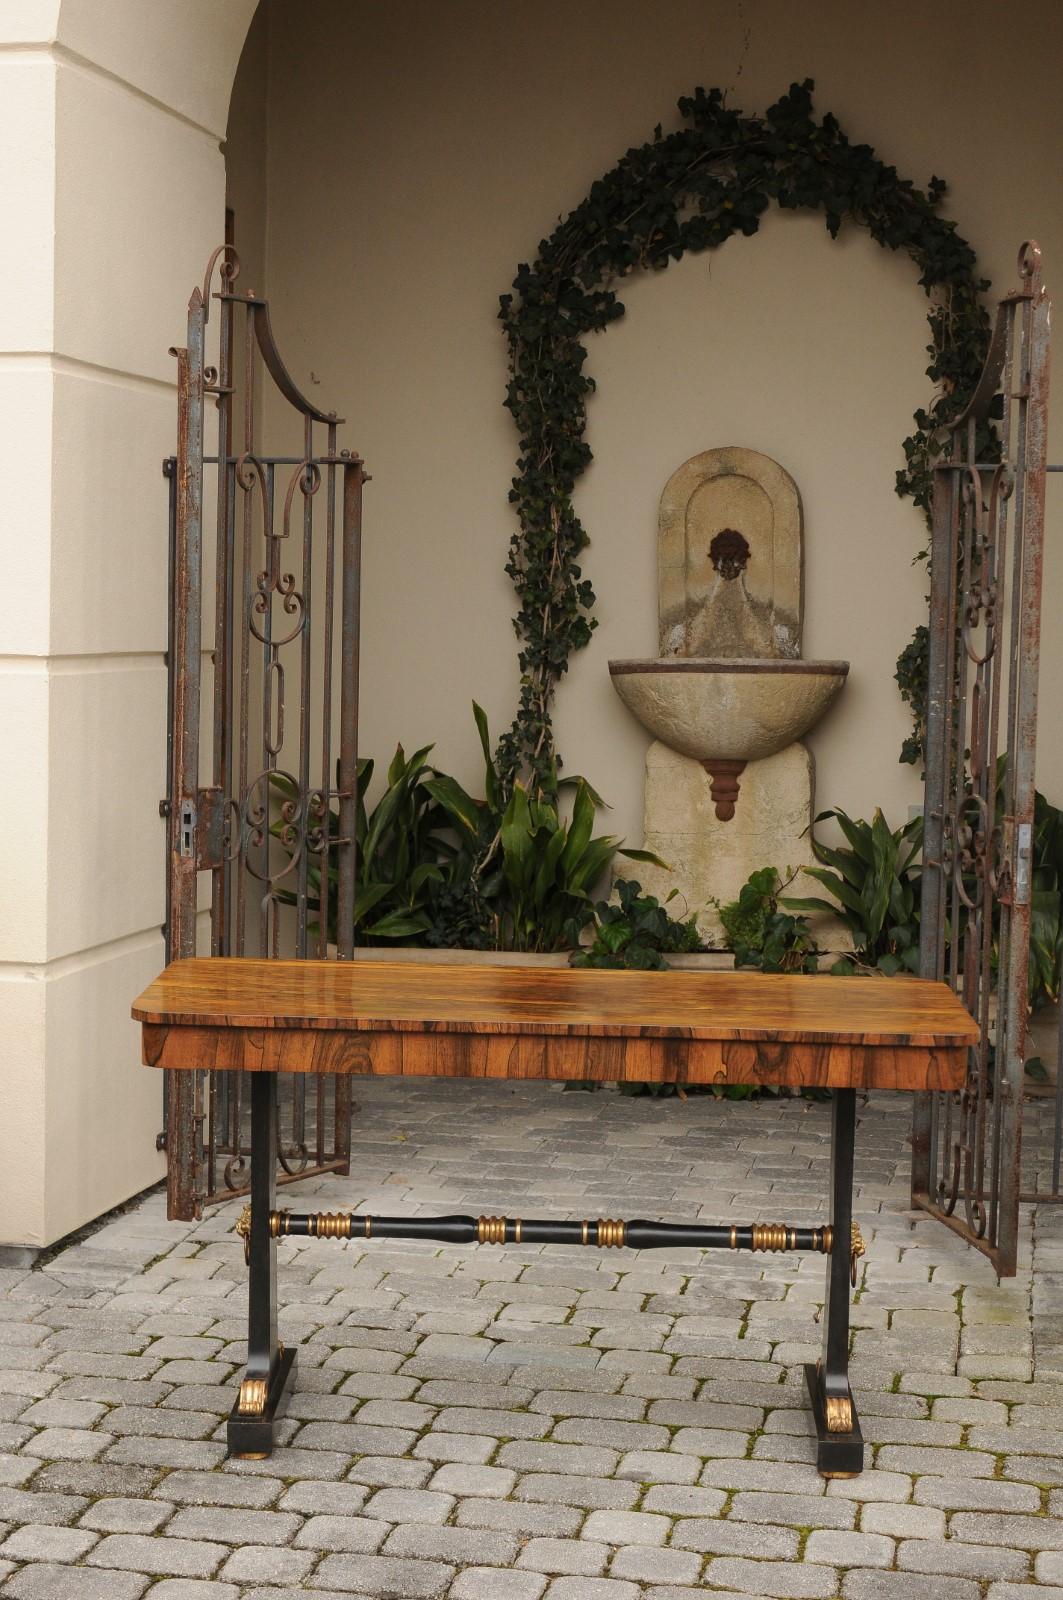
(761, 935)
(436, 866)
(637, 932)
(875, 889)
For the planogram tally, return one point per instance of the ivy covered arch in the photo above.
(690, 191)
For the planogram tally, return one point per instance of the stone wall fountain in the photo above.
(728, 786)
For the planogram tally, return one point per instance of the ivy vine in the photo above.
(690, 191)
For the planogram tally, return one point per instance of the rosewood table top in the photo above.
(568, 1023)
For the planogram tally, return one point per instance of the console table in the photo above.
(478, 1021)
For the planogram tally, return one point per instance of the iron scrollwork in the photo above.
(281, 658)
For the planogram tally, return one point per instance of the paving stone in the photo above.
(384, 1577)
(785, 1477)
(453, 1392)
(839, 1548)
(95, 1478)
(266, 1564)
(659, 1466)
(193, 1589)
(611, 1407)
(1013, 1532)
(591, 1589)
(221, 1489)
(218, 1522)
(710, 1442)
(683, 1500)
(429, 1542)
(860, 1584)
(1015, 1591)
(361, 1535)
(1048, 1567)
(799, 1510)
(527, 1521)
(198, 1454)
(157, 1422)
(736, 1539)
(53, 1413)
(14, 1472)
(47, 1581)
(287, 1462)
(651, 1564)
(314, 1498)
(473, 1449)
(20, 1505)
(409, 1505)
(561, 1556)
(68, 1444)
(353, 1439)
(976, 1494)
(872, 1485)
(593, 1494)
(794, 1581)
(387, 1472)
(46, 1542)
(499, 1423)
(494, 1583)
(460, 1478)
(126, 1516)
(611, 1435)
(626, 1527)
(963, 1560)
(903, 1521)
(525, 1456)
(179, 1558)
(941, 1463)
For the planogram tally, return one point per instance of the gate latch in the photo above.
(186, 831)
(1023, 854)
(201, 829)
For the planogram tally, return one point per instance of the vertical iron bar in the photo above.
(937, 747)
(347, 848)
(349, 645)
(1029, 548)
(183, 1089)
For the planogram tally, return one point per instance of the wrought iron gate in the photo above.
(275, 827)
(985, 624)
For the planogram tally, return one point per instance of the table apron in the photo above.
(562, 1058)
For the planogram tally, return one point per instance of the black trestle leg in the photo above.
(840, 1450)
(269, 1365)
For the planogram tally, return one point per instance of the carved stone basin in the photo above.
(725, 713)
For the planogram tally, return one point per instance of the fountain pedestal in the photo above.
(710, 857)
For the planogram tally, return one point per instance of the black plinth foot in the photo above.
(250, 1433)
(838, 1455)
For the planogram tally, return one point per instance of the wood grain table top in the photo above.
(424, 997)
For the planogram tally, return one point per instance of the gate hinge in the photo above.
(201, 829)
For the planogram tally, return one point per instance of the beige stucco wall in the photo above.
(407, 157)
(417, 153)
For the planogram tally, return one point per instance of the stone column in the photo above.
(112, 194)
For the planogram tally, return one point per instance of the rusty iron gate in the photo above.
(257, 668)
(978, 884)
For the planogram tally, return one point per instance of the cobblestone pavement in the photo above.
(490, 1424)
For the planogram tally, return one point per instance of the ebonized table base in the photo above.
(270, 1366)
